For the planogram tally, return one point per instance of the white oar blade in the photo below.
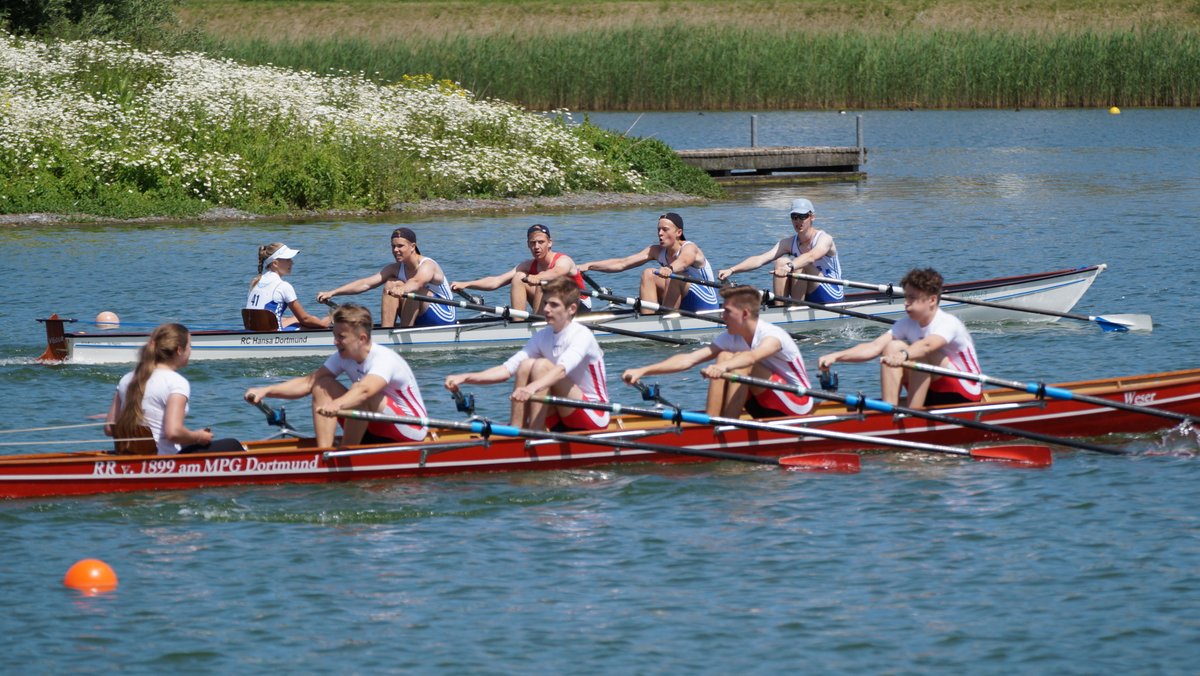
(1128, 322)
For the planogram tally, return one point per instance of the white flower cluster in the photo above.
(149, 119)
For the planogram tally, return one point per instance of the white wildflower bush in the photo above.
(99, 127)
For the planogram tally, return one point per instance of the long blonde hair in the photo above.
(264, 252)
(164, 343)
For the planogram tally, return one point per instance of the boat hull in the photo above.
(301, 461)
(1055, 291)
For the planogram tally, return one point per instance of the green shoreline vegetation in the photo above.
(98, 127)
(280, 106)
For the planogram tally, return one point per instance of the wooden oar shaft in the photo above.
(1041, 389)
(885, 407)
(505, 311)
(674, 415)
(487, 429)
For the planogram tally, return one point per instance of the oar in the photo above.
(639, 304)
(769, 296)
(478, 300)
(884, 407)
(1125, 322)
(1030, 455)
(505, 311)
(815, 461)
(1040, 389)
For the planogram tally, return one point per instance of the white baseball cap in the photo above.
(283, 252)
(802, 206)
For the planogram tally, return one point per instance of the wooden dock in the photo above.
(779, 164)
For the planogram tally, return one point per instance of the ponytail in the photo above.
(164, 343)
(264, 252)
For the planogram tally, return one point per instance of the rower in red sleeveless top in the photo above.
(527, 278)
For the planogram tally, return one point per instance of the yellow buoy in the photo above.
(91, 576)
(1114, 111)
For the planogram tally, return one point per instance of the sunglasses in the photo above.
(801, 217)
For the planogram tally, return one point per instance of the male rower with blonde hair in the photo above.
(927, 334)
(380, 380)
(749, 346)
(562, 359)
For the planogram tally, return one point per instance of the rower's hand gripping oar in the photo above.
(1044, 390)
(477, 300)
(486, 429)
(604, 293)
(277, 419)
(1031, 455)
(859, 401)
(507, 312)
(1120, 322)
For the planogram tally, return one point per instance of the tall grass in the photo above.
(713, 67)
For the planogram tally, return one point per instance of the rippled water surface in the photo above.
(916, 564)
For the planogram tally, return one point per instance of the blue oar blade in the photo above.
(1126, 322)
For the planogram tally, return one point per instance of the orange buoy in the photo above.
(91, 576)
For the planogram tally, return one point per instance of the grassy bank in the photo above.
(100, 128)
(741, 54)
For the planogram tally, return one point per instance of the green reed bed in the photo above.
(99, 128)
(675, 67)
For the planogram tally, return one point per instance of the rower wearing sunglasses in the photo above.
(810, 251)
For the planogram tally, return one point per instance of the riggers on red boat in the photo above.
(301, 461)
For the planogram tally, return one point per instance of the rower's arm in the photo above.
(672, 364)
(755, 262)
(618, 264)
(485, 283)
(295, 388)
(766, 348)
(358, 285)
(496, 374)
(306, 320)
(858, 353)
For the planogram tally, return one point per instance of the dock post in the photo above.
(858, 132)
(754, 131)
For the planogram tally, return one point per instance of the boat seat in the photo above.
(259, 320)
(141, 443)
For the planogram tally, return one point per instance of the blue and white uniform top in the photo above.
(699, 297)
(436, 313)
(827, 266)
(271, 293)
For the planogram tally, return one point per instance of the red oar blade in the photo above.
(1026, 454)
(823, 462)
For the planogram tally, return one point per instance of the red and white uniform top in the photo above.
(584, 298)
(401, 388)
(959, 348)
(576, 350)
(785, 363)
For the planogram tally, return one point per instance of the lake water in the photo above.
(915, 565)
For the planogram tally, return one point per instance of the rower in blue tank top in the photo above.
(411, 273)
(674, 255)
(810, 251)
